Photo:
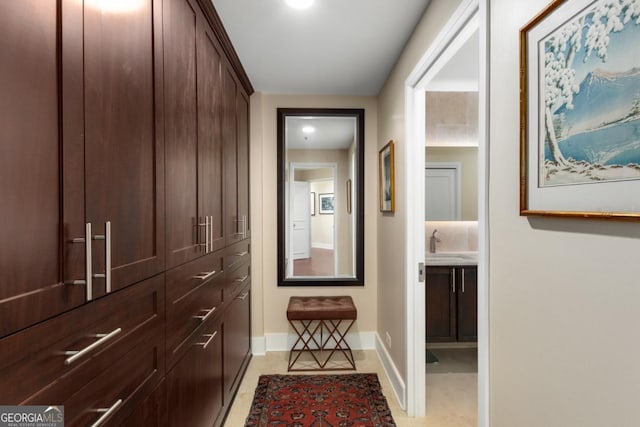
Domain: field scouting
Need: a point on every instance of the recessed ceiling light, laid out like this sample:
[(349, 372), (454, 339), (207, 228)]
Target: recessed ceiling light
[(299, 4), (308, 129)]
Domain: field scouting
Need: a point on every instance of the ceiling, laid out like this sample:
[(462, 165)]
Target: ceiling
[(330, 133), (460, 72), (335, 47)]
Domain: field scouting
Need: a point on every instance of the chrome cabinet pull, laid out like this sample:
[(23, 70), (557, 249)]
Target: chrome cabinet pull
[(243, 296), (205, 224), (242, 220), (241, 279), (106, 413), (75, 355), (205, 275), (462, 273), (243, 253), (206, 343), (453, 280), (206, 316), (244, 226), (88, 273), (107, 255), (211, 234)]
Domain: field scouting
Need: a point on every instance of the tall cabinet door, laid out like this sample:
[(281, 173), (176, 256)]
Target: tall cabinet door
[(34, 230), (440, 304), (243, 170), (124, 143), (233, 221), (181, 132), (210, 148)]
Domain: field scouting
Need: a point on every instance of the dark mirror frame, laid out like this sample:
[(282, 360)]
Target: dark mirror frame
[(358, 280)]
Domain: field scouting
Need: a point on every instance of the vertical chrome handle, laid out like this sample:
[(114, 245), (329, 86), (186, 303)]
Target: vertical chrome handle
[(88, 261), (211, 236), (204, 224), (244, 226), (207, 230), (453, 280), (211, 337), (107, 255), (107, 412), (242, 220), (462, 273)]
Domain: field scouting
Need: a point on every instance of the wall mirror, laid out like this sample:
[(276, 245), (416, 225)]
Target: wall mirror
[(320, 197)]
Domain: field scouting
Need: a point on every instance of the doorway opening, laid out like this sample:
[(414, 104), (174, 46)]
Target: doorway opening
[(312, 235), (468, 26)]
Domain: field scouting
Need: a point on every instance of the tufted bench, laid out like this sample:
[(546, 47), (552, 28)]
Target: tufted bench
[(321, 324)]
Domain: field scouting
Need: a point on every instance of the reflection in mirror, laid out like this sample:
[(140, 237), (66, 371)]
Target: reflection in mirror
[(320, 232), (451, 156)]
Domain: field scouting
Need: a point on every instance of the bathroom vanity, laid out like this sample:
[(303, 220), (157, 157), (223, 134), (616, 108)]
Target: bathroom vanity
[(452, 297)]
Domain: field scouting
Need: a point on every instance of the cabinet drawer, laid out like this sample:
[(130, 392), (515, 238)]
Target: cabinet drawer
[(35, 361), (235, 281), (194, 294), (237, 254), (120, 387), (194, 384)]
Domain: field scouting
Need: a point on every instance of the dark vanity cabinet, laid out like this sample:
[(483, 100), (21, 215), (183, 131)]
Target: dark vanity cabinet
[(451, 303), (124, 152)]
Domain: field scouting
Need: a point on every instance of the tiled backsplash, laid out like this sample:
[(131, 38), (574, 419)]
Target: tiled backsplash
[(455, 236)]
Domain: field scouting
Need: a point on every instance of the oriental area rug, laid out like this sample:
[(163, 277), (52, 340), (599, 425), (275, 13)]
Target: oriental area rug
[(351, 400)]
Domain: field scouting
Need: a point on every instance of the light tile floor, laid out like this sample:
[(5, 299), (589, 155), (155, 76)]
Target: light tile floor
[(451, 397)]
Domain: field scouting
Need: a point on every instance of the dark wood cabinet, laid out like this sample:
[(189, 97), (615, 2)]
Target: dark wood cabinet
[(440, 304), (33, 253), (195, 385), (451, 304), (181, 131), (236, 154), (237, 340), (194, 104), (124, 146), (467, 307), (108, 350), (124, 161), (82, 146), (152, 411)]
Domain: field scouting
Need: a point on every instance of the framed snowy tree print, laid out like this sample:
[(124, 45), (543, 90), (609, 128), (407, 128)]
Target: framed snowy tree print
[(580, 110)]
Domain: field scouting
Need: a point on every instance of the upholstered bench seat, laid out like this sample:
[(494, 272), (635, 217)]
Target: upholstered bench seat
[(321, 324)]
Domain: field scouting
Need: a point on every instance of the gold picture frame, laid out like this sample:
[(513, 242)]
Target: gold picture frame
[(386, 173), (577, 159)]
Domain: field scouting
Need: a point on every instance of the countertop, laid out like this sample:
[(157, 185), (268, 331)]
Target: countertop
[(451, 259)]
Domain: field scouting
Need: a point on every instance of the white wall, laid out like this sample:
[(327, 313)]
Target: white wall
[(269, 302), (391, 227), (564, 294)]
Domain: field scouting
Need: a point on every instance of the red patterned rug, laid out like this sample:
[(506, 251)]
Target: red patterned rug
[(352, 400)]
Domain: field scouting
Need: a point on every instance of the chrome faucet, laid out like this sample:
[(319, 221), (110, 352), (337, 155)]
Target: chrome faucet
[(432, 242)]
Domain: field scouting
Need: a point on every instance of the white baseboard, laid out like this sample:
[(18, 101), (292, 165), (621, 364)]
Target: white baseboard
[(284, 342), (258, 346), (393, 375), (322, 245)]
